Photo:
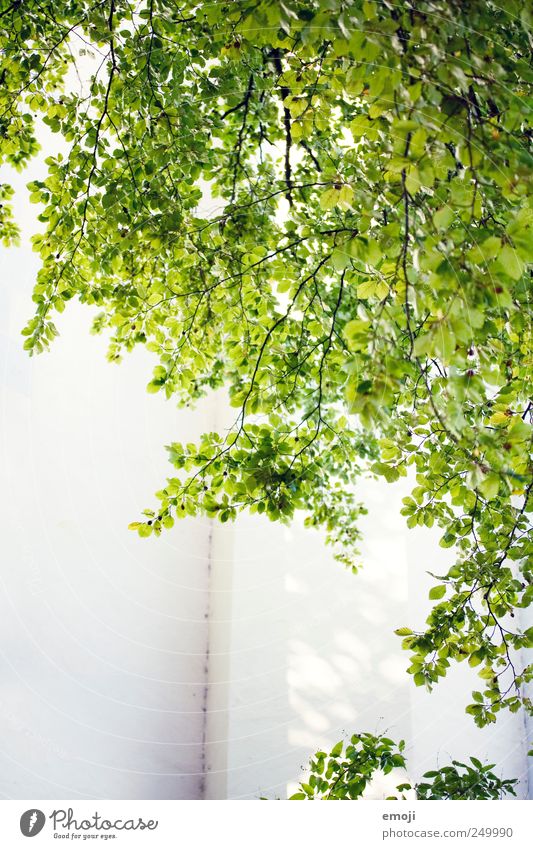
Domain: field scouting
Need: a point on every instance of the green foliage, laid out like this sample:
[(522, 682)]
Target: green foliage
[(461, 781), (362, 288), (346, 771)]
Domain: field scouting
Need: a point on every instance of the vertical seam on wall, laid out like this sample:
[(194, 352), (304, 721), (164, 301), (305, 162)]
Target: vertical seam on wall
[(205, 689), (526, 726), (529, 788), (525, 619)]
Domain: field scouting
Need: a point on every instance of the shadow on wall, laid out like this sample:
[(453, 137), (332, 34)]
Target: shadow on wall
[(313, 655)]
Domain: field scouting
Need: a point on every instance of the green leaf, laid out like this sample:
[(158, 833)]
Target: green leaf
[(511, 263), (490, 486), (366, 289), (442, 218), (329, 198), (340, 259), (337, 749)]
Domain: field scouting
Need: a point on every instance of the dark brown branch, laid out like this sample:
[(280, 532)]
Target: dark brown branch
[(284, 93), (240, 139)]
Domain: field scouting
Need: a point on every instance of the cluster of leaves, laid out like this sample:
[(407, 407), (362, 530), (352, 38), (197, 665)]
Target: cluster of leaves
[(346, 771), (361, 287), (460, 781)]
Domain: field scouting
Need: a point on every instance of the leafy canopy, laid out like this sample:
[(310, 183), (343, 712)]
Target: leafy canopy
[(360, 286)]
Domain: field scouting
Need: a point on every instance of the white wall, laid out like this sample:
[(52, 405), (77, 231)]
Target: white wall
[(108, 642), (102, 635), (313, 656)]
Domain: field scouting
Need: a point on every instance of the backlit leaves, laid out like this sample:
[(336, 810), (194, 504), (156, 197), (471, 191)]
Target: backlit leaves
[(326, 209)]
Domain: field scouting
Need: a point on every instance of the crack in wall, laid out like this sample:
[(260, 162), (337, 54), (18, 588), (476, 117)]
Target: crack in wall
[(202, 788)]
